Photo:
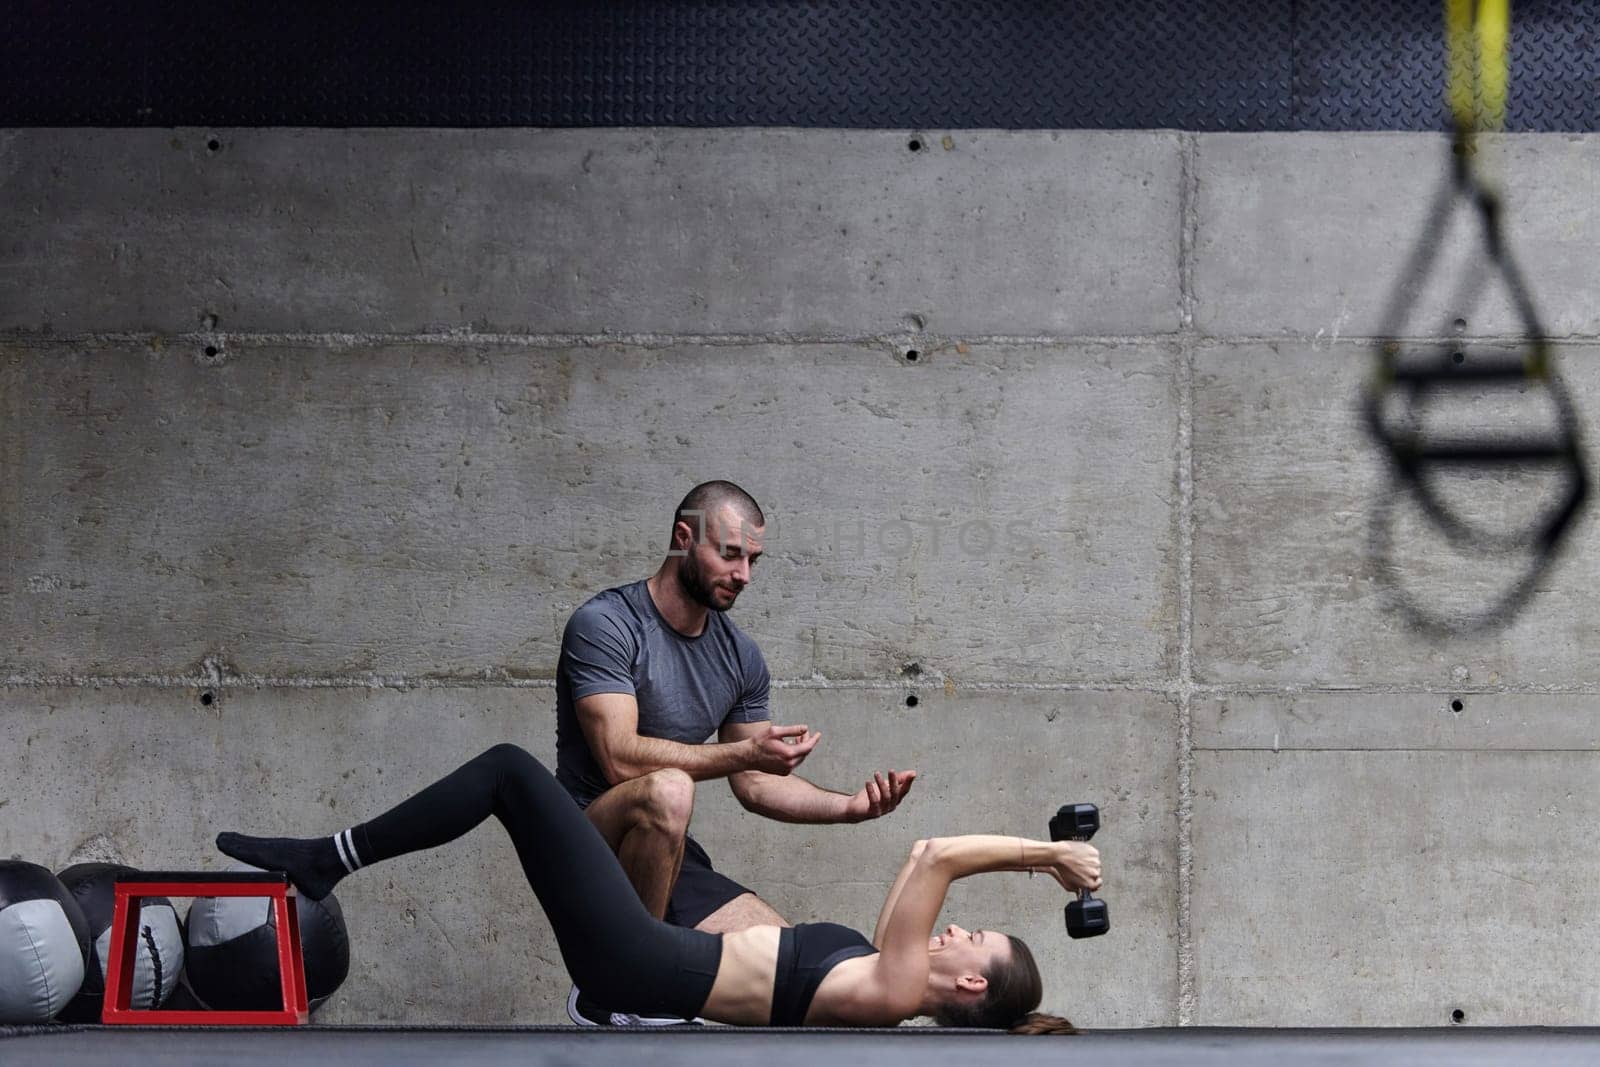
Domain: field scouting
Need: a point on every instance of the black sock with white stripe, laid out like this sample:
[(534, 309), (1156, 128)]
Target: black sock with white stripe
[(314, 864), (344, 843)]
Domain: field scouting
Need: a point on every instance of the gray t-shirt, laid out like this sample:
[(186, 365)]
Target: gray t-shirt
[(686, 687)]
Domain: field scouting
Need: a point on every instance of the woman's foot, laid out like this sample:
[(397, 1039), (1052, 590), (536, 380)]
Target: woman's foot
[(312, 863)]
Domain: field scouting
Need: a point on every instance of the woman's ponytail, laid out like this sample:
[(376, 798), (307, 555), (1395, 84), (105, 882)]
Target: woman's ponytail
[(1038, 1022)]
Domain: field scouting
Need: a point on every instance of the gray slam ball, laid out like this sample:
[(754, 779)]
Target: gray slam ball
[(231, 955), (44, 944), (158, 955)]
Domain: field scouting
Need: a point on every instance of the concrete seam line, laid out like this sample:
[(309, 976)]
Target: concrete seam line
[(233, 343), (1189, 212), (1172, 690), (1496, 749), (1201, 689), (468, 682), (1188, 229)]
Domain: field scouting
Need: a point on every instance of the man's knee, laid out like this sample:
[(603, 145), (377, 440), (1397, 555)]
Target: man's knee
[(666, 801), (657, 803)]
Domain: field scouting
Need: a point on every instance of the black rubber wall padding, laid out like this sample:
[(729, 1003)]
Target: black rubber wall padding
[(936, 64)]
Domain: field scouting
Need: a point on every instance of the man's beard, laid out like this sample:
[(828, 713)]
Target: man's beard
[(693, 581)]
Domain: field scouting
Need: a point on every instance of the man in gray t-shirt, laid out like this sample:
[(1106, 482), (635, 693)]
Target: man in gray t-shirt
[(686, 688), (648, 672)]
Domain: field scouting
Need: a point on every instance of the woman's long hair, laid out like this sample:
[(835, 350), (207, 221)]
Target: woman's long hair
[(1015, 989)]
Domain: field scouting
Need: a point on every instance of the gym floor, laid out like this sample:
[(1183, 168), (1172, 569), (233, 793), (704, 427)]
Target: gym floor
[(716, 1046)]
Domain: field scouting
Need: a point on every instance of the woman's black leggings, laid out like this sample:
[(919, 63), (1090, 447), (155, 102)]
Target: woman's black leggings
[(616, 952)]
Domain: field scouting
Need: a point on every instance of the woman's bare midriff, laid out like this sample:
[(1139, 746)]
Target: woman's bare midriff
[(742, 993)]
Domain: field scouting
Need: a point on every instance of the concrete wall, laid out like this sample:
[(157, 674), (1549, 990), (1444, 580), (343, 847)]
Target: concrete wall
[(334, 429)]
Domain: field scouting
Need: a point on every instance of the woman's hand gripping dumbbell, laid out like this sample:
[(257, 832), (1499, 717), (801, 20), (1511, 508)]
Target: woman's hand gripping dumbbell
[(1079, 868)]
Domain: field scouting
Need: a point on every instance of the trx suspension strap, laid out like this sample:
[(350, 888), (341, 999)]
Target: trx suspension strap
[(1411, 375)]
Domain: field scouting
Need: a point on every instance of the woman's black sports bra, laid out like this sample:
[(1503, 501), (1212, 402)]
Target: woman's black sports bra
[(806, 953)]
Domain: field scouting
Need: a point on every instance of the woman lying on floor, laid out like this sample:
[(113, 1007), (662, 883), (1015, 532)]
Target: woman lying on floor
[(814, 974)]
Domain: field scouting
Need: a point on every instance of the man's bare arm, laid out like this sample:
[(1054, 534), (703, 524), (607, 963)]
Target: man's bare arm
[(791, 798), (610, 723)]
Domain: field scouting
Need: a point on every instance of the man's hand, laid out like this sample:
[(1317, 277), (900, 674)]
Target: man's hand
[(781, 748), (879, 796)]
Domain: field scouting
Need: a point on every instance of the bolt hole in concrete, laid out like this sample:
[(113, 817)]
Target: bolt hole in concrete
[(208, 698), (1460, 325), (1458, 1016), (912, 355), (1458, 357), (214, 145), (1457, 706), (911, 701), (211, 351), (915, 144)]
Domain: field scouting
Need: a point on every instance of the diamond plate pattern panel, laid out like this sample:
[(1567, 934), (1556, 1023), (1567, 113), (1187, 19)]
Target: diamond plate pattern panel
[(1379, 65), (1182, 64)]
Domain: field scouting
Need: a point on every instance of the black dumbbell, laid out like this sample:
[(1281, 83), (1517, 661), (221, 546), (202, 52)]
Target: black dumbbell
[(1086, 916)]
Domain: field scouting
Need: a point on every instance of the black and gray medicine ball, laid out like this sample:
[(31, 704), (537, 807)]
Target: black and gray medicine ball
[(158, 955), (44, 944), (231, 952)]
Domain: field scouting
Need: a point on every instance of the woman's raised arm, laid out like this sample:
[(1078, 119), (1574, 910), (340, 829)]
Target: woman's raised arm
[(894, 892), (918, 893)]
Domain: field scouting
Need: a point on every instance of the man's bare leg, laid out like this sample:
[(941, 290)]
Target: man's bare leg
[(740, 913), (645, 821)]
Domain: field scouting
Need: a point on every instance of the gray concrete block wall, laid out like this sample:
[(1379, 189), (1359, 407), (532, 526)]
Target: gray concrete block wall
[(338, 427), (591, 231), (1286, 478), (1336, 215), (497, 485), (1394, 856)]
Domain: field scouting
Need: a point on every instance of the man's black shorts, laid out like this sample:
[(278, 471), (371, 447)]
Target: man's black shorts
[(699, 890)]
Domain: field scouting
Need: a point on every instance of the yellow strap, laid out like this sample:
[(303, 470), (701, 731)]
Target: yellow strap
[(1494, 30), (1476, 33)]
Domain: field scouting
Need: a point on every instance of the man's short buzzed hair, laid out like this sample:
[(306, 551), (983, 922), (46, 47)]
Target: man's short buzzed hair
[(707, 498)]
